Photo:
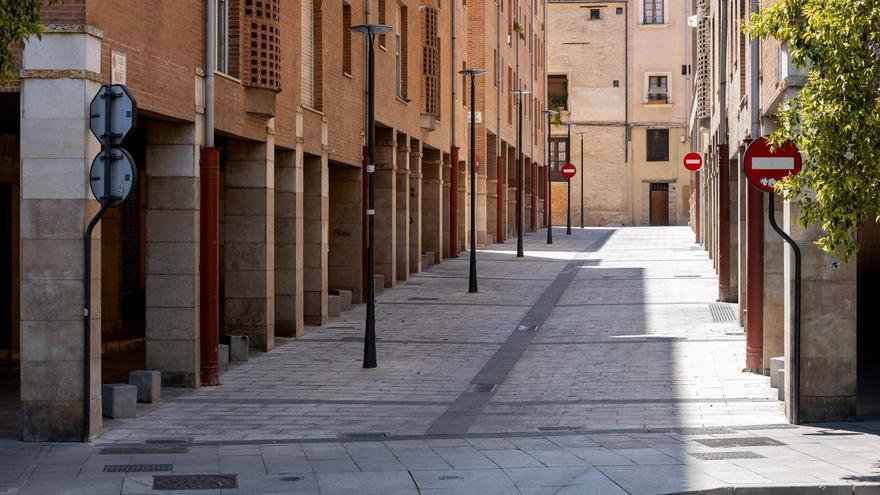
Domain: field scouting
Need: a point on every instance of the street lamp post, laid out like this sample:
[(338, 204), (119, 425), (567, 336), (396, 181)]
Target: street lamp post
[(519, 172), (371, 30), (568, 125), (472, 281), (550, 113), (582, 173)]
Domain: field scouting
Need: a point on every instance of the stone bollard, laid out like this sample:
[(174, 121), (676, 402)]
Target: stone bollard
[(334, 305), (148, 383), (344, 298), (238, 347), (380, 284), (776, 364), (223, 355), (780, 380), (119, 400)]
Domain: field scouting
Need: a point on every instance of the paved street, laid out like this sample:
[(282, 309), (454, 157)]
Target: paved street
[(600, 364)]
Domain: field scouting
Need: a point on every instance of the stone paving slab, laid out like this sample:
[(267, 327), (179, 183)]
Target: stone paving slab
[(591, 366)]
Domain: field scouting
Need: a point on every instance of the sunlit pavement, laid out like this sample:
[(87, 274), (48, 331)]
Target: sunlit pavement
[(600, 364)]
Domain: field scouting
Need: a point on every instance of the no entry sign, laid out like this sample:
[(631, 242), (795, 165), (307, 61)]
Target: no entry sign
[(569, 170), (764, 168), (693, 161)]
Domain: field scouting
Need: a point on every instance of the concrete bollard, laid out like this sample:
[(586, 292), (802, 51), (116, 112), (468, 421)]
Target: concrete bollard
[(344, 298), (223, 354), (148, 383), (380, 284), (119, 400), (238, 347), (334, 305), (780, 380), (776, 364)]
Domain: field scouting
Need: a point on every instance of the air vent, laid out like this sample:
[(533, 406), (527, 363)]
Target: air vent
[(369, 435), (196, 482), (142, 450), (721, 456), (740, 442), (136, 468), (723, 312)]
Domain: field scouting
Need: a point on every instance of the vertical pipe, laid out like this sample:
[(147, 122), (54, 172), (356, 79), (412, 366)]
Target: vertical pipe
[(472, 283), (755, 296), (583, 172), (209, 265), (723, 224), (519, 179), (568, 181), (210, 66), (697, 208), (549, 184)]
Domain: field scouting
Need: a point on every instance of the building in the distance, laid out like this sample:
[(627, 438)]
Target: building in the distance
[(288, 206), (618, 71)]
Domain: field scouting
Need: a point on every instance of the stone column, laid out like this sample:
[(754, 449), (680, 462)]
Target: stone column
[(491, 188), (447, 191), (59, 79), (316, 215), (773, 287), (733, 226), (385, 181), (415, 207), (172, 268), (482, 200), (432, 203), (403, 214), (249, 259), (742, 278), (464, 202), (288, 244), (828, 327), (345, 260)]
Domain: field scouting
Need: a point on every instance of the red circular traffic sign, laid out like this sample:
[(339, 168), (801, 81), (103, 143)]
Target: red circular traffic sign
[(569, 170), (693, 161), (764, 168)]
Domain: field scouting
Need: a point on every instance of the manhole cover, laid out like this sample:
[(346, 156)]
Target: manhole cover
[(136, 468), (723, 312), (740, 442), (720, 456), (704, 430), (171, 441), (369, 435), (195, 482), (142, 450), (482, 387)]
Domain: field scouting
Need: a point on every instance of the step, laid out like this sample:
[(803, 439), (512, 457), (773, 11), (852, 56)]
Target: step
[(334, 305), (776, 364), (344, 298)]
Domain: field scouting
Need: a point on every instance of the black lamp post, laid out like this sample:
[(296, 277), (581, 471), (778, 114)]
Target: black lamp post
[(569, 125), (582, 173), (472, 281), (550, 113), (371, 30), (519, 172)]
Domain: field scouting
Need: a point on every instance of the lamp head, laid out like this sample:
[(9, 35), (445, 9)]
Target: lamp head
[(371, 29), (473, 72), (550, 111)]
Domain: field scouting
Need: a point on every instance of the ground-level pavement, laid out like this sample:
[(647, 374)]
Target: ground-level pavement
[(599, 364)]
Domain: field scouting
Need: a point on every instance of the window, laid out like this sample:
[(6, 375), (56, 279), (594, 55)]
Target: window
[(616, 83), (653, 12), (381, 8), (557, 92), (595, 14), (558, 157), (495, 67), (222, 56), (465, 85), (346, 38), (509, 95), (658, 90), (619, 11), (400, 51), (658, 145), (431, 62)]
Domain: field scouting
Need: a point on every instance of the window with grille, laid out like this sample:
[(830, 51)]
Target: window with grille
[(262, 21), (657, 145), (658, 89), (381, 8), (222, 58), (595, 14), (654, 12), (431, 62), (558, 157), (346, 38)]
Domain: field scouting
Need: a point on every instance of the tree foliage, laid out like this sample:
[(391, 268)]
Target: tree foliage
[(835, 119), (19, 20)]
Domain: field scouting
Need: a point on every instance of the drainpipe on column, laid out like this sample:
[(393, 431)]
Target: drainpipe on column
[(755, 220), (500, 225), (209, 251), (723, 171), (453, 173)]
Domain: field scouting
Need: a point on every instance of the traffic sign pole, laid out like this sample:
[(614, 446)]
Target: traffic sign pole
[(765, 165), (568, 210)]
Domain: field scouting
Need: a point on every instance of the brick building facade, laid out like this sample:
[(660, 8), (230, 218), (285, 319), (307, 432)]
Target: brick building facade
[(289, 118)]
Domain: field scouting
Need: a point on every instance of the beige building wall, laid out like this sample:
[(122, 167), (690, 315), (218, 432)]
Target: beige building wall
[(607, 62)]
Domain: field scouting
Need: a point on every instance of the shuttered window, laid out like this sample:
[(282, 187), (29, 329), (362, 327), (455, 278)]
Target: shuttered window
[(307, 17), (658, 145)]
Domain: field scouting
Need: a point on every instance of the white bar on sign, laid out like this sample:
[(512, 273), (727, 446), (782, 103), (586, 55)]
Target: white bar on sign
[(780, 163), (692, 161)]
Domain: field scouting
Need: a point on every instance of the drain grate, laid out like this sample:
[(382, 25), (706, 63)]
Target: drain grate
[(195, 482), (136, 468), (723, 312), (170, 441), (292, 478), (142, 450), (721, 456), (559, 428), (740, 442), (482, 387), (688, 276), (369, 435), (423, 298)]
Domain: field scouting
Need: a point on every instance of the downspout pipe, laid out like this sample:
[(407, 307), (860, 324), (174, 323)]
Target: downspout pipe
[(453, 173), (210, 66), (755, 220), (500, 224), (722, 153)]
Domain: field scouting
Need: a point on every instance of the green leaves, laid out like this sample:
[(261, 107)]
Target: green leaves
[(835, 120), (19, 20)]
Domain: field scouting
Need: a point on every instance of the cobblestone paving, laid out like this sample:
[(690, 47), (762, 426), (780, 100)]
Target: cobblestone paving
[(591, 366)]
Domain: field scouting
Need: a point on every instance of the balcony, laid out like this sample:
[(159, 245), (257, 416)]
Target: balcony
[(657, 98)]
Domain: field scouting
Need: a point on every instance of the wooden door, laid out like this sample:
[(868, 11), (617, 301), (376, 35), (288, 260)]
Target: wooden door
[(659, 204)]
